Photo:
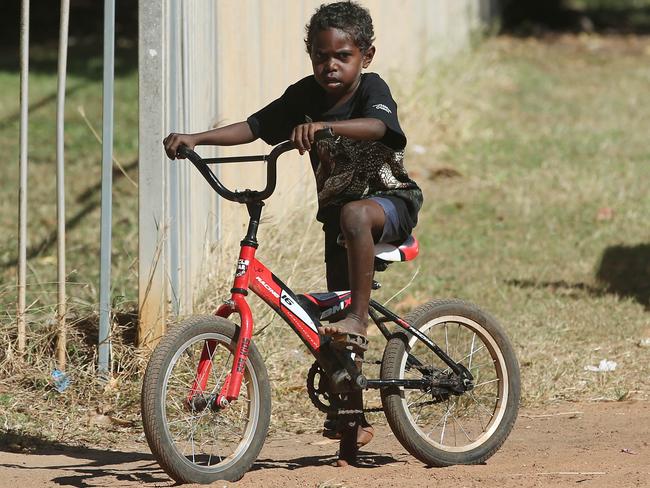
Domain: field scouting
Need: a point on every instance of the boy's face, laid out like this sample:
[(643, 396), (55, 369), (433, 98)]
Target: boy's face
[(337, 62)]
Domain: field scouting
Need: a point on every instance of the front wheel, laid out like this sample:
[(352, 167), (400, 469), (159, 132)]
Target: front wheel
[(436, 426), (193, 442)]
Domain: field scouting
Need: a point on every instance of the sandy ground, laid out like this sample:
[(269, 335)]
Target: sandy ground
[(587, 445)]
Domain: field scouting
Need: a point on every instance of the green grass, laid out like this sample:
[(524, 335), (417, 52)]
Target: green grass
[(545, 136), (82, 179), (545, 226)]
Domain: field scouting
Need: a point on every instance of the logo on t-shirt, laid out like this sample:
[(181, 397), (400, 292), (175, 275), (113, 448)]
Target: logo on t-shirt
[(381, 106)]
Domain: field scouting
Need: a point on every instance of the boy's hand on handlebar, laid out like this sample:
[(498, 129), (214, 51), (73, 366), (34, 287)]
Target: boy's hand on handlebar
[(173, 141), (303, 135)]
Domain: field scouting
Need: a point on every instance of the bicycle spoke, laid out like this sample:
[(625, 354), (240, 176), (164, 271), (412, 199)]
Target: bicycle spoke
[(486, 383), (208, 441), (446, 339), (480, 406), (442, 419), (484, 364), (444, 424), (457, 343), (212, 369), (177, 406), (227, 429), (417, 399), (461, 420), (460, 426), (471, 351)]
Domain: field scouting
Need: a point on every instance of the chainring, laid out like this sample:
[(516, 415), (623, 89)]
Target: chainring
[(318, 390)]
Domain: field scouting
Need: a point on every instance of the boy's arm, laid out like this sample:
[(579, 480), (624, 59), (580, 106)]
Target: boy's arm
[(366, 129), (230, 135)]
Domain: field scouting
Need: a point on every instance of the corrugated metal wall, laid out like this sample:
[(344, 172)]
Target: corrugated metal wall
[(205, 63)]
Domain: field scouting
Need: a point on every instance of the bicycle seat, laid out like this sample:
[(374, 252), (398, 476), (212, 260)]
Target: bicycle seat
[(393, 252), (404, 251)]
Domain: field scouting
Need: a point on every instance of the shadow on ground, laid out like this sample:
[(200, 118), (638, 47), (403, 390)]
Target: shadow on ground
[(623, 270), (95, 464), (365, 460)]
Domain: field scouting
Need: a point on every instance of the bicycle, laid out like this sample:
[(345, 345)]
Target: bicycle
[(447, 368)]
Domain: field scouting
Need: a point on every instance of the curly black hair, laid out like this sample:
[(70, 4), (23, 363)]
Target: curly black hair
[(348, 16)]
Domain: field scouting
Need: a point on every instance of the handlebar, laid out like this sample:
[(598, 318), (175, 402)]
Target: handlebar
[(246, 196)]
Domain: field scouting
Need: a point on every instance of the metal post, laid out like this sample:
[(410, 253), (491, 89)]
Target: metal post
[(174, 169), (107, 184), (22, 191), (185, 180), (152, 171), (60, 182)]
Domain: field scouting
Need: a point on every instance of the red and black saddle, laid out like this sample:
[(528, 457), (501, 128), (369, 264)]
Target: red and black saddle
[(405, 251)]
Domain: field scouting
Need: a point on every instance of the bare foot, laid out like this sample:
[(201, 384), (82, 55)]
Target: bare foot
[(352, 324), (365, 433), (348, 334)]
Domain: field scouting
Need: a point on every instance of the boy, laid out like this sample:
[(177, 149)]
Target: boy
[(364, 192)]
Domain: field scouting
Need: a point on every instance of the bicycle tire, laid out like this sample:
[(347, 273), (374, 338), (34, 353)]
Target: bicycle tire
[(164, 396), (413, 429)]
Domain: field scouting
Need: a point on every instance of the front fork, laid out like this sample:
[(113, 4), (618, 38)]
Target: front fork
[(232, 385), (236, 304)]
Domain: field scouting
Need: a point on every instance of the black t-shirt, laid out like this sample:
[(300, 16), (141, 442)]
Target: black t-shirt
[(306, 100), (345, 169)]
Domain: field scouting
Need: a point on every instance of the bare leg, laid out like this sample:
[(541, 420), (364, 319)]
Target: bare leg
[(337, 280), (362, 223), (355, 432)]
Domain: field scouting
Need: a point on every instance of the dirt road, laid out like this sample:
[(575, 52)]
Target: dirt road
[(590, 445)]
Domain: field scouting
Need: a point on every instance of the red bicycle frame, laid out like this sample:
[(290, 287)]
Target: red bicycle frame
[(252, 275)]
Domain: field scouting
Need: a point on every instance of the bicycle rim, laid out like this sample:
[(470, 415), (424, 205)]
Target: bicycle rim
[(207, 440), (465, 422)]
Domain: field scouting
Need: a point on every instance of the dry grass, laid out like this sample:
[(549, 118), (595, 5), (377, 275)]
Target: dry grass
[(90, 410)]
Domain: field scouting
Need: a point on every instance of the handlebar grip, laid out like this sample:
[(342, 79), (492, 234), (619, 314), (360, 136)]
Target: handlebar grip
[(186, 152)]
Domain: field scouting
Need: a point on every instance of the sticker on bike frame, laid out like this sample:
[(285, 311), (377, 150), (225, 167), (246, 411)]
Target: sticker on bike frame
[(267, 287), (297, 310), (242, 267), (334, 310), (241, 362)]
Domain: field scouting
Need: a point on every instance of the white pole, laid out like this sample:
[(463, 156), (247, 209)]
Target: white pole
[(185, 180), (107, 181), (22, 191), (174, 168), (60, 182), (153, 166)]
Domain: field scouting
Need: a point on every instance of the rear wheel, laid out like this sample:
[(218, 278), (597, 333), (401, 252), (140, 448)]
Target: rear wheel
[(434, 425), (191, 441)]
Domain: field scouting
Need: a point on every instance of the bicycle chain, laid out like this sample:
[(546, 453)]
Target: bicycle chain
[(365, 410)]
